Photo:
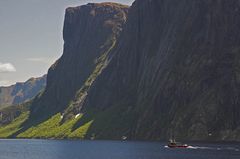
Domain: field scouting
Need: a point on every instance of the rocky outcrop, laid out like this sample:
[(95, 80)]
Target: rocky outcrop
[(21, 92)]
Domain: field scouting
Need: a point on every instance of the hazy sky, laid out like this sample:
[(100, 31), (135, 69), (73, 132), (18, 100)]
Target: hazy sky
[(31, 36)]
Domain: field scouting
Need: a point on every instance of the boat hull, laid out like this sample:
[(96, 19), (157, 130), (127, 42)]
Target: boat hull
[(178, 146)]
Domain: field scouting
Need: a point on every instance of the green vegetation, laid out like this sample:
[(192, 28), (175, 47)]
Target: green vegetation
[(112, 123), (51, 128), (14, 126), (81, 132), (54, 128)]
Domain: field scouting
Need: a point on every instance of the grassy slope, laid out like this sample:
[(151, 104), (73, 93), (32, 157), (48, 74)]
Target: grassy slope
[(100, 124), (14, 126), (53, 128)]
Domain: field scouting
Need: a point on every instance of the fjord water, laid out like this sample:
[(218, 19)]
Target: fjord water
[(67, 149)]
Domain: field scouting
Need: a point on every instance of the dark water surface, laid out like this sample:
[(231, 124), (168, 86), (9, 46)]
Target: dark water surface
[(66, 149)]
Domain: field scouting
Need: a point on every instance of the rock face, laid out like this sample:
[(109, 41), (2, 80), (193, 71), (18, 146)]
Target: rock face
[(176, 69), (21, 92), (90, 33)]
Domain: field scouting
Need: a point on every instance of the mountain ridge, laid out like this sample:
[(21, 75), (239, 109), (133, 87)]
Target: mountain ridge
[(21, 91)]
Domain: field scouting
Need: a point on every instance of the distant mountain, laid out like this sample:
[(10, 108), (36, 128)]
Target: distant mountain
[(160, 67), (21, 92)]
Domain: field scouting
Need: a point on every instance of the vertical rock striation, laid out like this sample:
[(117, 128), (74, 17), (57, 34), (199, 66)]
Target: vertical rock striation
[(177, 68)]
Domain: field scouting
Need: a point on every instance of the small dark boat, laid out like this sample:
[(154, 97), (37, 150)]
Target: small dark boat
[(173, 144)]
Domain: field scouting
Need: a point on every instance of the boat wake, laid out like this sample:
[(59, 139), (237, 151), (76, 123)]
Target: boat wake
[(210, 148)]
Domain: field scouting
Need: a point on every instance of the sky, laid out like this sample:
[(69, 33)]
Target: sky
[(31, 36)]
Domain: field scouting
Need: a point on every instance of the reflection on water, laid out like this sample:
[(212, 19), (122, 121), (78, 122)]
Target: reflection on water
[(66, 149)]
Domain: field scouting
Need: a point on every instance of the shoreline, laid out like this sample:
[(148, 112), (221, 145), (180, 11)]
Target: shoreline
[(157, 141)]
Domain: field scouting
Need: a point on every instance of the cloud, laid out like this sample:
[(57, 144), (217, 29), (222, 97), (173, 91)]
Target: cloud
[(7, 67)]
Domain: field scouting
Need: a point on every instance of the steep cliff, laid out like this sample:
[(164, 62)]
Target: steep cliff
[(21, 92), (176, 69), (90, 32)]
